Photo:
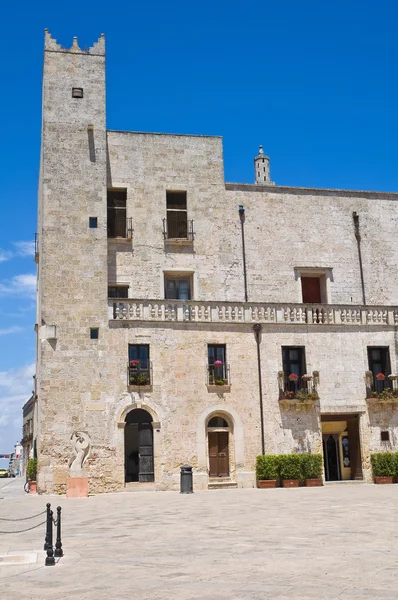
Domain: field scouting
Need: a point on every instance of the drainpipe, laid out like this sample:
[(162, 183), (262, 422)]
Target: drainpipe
[(242, 224), (355, 217), (257, 333)]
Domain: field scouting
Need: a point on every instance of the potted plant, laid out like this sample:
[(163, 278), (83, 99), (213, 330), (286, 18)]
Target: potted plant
[(290, 469), (380, 376), (31, 471), (384, 466), (267, 470), (293, 377), (312, 469)]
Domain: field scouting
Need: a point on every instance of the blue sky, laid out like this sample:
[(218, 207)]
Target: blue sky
[(313, 82)]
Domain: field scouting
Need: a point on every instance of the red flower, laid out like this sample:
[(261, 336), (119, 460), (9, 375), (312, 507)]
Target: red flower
[(293, 377), (134, 363)]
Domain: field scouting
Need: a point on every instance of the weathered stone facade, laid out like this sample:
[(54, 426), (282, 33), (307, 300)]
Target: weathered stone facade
[(290, 233)]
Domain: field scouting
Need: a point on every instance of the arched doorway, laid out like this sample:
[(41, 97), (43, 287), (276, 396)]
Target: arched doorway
[(218, 439), (138, 446)]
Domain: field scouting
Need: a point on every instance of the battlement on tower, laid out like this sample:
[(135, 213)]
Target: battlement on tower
[(51, 45)]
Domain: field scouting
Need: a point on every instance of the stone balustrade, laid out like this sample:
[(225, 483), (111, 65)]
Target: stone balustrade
[(241, 312)]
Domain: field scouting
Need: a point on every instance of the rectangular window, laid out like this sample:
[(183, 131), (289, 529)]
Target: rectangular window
[(116, 212), (379, 364), (93, 222), (77, 92), (139, 371), (177, 216), (94, 333), (294, 367), (118, 291), (217, 364), (177, 287), (311, 288)]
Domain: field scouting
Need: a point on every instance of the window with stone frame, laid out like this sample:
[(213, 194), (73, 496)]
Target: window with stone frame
[(177, 286), (379, 363), (294, 367), (139, 365)]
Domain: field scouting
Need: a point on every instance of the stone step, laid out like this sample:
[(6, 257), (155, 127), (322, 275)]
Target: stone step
[(346, 482), (138, 486), (222, 485)]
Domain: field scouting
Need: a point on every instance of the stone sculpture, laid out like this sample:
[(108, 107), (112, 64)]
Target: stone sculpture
[(81, 444)]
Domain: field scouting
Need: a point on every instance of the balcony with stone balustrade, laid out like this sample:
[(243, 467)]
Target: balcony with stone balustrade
[(191, 311)]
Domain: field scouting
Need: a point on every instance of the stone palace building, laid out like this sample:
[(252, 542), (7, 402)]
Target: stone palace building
[(183, 319)]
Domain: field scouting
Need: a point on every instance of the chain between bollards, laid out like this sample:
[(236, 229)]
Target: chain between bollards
[(58, 544)]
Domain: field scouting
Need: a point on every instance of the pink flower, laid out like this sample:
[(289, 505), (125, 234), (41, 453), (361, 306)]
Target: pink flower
[(293, 377), (134, 363), (218, 363)]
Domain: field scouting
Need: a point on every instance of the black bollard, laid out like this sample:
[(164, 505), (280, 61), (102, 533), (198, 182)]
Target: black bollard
[(186, 484), (58, 544), (48, 526), (50, 561)]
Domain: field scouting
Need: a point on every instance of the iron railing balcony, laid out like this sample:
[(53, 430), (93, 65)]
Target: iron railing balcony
[(138, 374), (381, 387), (120, 227), (298, 387), (178, 230), (218, 374)]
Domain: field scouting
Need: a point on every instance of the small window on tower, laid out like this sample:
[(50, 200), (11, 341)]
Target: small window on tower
[(385, 436), (77, 92), (93, 222)]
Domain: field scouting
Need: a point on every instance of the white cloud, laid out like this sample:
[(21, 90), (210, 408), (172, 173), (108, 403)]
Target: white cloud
[(5, 255), (16, 387), (25, 248), (21, 249), (9, 330), (19, 285)]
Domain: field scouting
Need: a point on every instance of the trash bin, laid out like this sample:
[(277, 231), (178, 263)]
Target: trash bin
[(186, 485)]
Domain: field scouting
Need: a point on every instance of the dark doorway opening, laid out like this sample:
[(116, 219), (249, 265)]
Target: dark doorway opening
[(138, 447), (341, 447)]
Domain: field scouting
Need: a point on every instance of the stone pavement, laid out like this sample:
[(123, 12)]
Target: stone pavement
[(334, 542)]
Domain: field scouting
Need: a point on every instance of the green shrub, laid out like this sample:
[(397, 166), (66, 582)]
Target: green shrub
[(267, 466), (290, 466), (384, 464), (311, 465), (31, 469)]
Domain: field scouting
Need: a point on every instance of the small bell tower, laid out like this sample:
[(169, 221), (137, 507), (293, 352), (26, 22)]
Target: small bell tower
[(262, 174)]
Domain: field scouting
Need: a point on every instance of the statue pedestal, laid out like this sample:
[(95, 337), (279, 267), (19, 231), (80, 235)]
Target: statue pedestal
[(77, 487)]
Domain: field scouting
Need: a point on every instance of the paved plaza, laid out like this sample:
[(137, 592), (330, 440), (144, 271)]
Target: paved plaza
[(339, 541)]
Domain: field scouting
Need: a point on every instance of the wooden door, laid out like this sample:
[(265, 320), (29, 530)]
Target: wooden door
[(219, 454), (145, 452), (311, 287)]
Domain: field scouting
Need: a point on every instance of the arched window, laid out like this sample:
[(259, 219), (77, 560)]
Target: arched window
[(218, 422)]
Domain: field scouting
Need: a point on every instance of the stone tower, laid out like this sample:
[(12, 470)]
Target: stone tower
[(72, 250), (262, 172)]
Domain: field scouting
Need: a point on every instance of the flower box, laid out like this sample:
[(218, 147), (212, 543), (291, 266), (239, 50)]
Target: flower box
[(385, 479), (266, 483), (289, 483)]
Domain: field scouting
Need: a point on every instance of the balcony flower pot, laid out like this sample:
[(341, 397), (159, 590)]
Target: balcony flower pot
[(267, 470), (313, 482), (385, 479), (384, 466), (289, 483), (293, 377), (380, 376), (266, 483)]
